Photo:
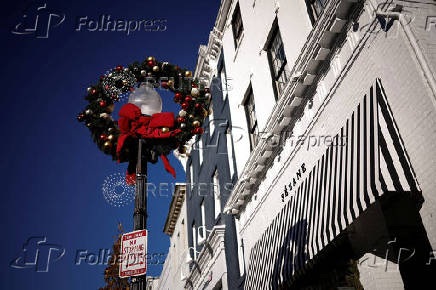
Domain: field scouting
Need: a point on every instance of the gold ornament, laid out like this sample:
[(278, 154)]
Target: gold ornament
[(191, 116), (125, 82), (110, 108), (205, 113), (171, 83), (104, 115), (165, 130), (188, 73), (107, 145), (196, 123), (155, 68), (110, 137), (151, 58), (182, 149)]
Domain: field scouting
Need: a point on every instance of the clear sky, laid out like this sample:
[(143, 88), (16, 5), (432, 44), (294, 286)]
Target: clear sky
[(51, 171)]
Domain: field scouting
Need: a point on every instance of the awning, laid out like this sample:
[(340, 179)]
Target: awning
[(347, 178)]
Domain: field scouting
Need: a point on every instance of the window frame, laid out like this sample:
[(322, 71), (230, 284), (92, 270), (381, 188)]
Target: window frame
[(315, 8), (237, 20), (251, 118), (277, 74)]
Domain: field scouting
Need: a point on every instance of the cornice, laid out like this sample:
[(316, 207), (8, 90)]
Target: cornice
[(175, 208)]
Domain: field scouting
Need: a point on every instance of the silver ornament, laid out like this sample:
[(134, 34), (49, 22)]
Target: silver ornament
[(126, 69), (194, 92), (182, 125), (182, 113), (88, 112), (208, 95), (143, 73), (89, 89)]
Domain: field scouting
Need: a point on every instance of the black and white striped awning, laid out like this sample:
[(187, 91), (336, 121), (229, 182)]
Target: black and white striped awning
[(348, 178)]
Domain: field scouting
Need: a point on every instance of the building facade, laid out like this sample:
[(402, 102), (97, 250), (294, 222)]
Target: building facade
[(325, 160)]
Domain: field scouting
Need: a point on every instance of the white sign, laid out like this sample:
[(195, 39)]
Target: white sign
[(133, 254)]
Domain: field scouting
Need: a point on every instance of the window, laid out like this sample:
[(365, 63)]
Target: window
[(240, 248), (315, 8), (279, 65), (200, 150), (230, 152), (203, 217), (211, 120), (224, 80), (191, 175), (194, 240), (216, 193), (237, 25), (250, 113)]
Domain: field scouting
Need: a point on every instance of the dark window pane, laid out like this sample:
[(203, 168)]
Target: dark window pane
[(278, 61)]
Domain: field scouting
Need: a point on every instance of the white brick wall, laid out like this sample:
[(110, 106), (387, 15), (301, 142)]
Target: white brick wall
[(387, 56)]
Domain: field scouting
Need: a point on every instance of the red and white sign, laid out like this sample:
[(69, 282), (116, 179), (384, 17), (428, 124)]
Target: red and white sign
[(133, 254)]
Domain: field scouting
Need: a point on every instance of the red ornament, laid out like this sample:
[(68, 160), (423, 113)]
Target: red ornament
[(164, 85), (194, 85), (119, 67), (198, 107), (93, 91), (177, 67), (207, 90), (185, 106), (177, 97), (102, 103), (101, 78), (198, 131), (103, 137), (188, 99), (80, 117), (181, 120), (150, 63)]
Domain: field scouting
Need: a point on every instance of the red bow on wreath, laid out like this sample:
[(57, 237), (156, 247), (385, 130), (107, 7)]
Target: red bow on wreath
[(133, 124)]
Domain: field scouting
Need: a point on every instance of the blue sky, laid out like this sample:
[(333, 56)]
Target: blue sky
[(52, 173)]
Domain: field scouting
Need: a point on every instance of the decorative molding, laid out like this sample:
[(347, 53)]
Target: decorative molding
[(175, 208), (212, 249)]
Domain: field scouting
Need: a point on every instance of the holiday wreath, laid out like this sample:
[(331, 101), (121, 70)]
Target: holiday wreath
[(141, 117)]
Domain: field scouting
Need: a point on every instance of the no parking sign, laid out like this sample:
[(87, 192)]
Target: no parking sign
[(133, 254)]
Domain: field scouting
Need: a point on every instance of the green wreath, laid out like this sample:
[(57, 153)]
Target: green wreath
[(193, 97)]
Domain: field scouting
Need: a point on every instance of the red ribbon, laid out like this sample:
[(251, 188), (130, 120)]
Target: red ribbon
[(132, 123)]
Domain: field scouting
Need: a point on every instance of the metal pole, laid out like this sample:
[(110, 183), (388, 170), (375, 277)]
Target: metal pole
[(140, 213)]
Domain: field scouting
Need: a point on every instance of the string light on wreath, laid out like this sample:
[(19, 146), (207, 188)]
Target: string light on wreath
[(118, 81)]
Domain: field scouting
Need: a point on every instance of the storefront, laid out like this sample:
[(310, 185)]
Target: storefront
[(365, 160)]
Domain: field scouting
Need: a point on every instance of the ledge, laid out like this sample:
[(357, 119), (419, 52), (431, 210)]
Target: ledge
[(212, 249)]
